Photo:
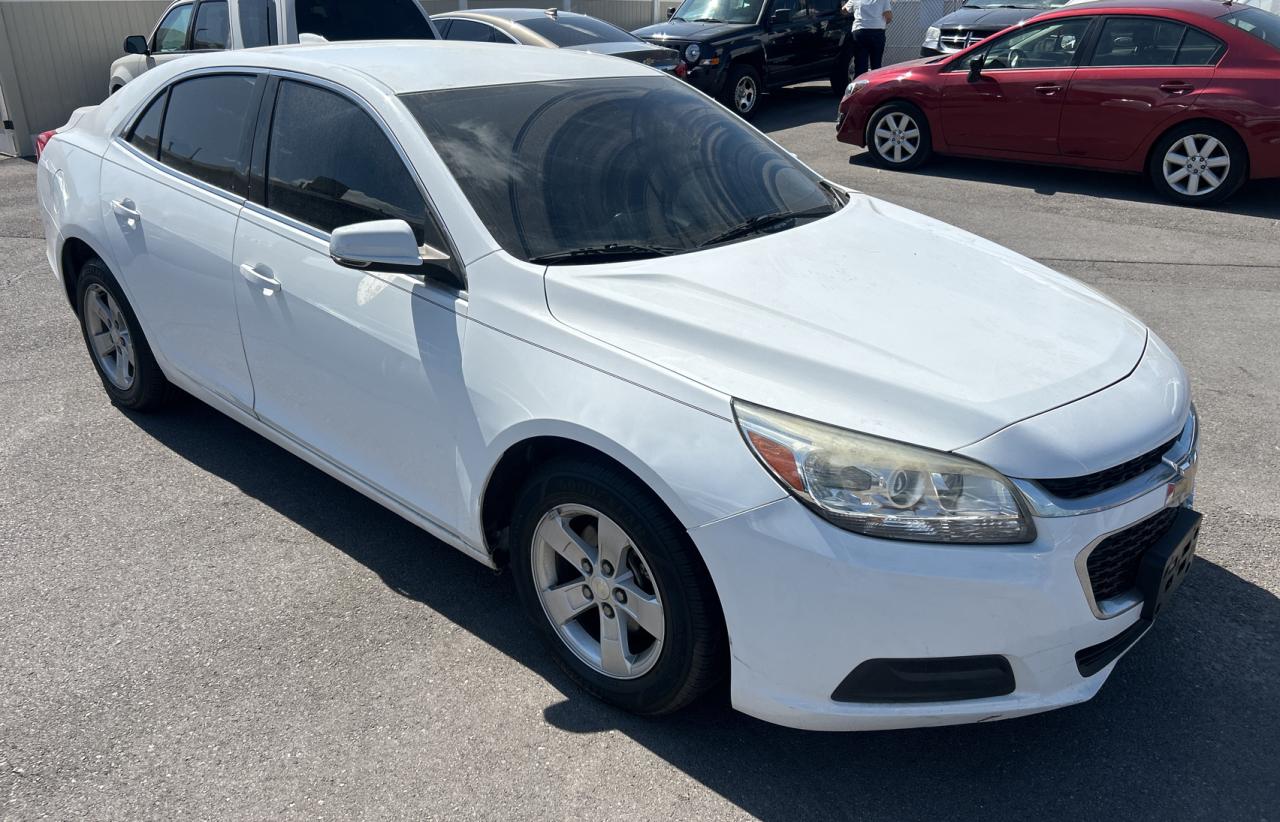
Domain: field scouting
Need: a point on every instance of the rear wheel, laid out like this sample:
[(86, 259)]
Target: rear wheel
[(898, 136), (615, 588), (117, 347), (742, 91), (1198, 164)]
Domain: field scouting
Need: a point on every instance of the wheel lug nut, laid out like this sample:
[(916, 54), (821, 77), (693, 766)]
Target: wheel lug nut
[(607, 568), (586, 592), (586, 567), (620, 595), (608, 611)]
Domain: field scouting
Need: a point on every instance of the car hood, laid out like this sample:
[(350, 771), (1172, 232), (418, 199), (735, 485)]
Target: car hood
[(684, 30), (987, 18), (876, 319)]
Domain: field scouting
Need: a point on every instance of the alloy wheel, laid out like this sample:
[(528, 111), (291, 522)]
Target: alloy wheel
[(596, 588), (897, 137), (745, 94), (1196, 165), (109, 336)]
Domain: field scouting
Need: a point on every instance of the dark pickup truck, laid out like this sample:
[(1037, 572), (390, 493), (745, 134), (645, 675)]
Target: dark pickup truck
[(735, 50)]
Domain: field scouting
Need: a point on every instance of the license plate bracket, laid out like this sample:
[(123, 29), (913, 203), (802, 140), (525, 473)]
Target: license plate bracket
[(1166, 563)]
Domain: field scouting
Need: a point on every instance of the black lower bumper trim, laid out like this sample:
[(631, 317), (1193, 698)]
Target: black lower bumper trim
[(1096, 657), (936, 679)]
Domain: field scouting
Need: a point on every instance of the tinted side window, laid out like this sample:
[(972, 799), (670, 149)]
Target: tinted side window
[(1138, 41), (146, 131), (211, 27), (470, 30), (329, 165), (825, 6), (172, 33), (258, 23), (204, 129), (363, 20), (1198, 49)]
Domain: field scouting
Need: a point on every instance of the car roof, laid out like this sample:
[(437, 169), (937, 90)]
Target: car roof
[(405, 66), (1203, 8), (513, 15)]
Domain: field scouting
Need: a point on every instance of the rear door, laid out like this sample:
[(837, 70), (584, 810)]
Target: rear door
[(1141, 73), (172, 188), (1015, 106)]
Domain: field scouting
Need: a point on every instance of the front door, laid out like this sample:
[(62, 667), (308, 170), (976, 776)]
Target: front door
[(170, 210), (363, 367), (790, 46), (1143, 72), (1015, 105)]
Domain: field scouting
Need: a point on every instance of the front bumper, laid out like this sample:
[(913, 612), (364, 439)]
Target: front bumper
[(806, 603)]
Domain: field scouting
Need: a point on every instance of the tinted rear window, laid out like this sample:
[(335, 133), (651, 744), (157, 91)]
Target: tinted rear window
[(1261, 24), (258, 23), (365, 20), (204, 129), (575, 31), (146, 131)]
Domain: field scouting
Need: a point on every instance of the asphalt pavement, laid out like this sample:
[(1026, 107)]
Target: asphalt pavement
[(195, 624)]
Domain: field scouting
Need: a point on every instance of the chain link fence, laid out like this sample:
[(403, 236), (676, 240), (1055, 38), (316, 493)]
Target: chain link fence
[(910, 17)]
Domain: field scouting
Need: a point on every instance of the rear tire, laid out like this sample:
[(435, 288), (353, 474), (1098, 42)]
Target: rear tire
[(898, 136), (742, 91), (1198, 164), (117, 347), (659, 645)]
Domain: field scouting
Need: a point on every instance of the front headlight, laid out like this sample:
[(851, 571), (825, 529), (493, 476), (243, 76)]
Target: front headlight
[(932, 34), (884, 488), (692, 53), (856, 85)]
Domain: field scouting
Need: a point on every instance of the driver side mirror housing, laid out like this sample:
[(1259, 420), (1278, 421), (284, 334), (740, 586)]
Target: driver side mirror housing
[(387, 245), (671, 12), (781, 16), (136, 44), (975, 69)]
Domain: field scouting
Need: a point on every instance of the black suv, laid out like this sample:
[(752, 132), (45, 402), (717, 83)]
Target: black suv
[(736, 49)]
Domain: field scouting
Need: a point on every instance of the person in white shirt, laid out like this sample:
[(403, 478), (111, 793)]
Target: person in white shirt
[(870, 17)]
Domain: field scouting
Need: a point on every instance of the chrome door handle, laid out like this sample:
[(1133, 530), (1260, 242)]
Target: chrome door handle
[(124, 208), (269, 284), (1176, 87)]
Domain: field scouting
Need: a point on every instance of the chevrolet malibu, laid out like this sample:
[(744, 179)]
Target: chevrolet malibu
[(702, 403)]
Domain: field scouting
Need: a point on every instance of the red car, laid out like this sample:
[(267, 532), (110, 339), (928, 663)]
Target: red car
[(1187, 91)]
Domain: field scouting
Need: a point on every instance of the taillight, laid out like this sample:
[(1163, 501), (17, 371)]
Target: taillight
[(42, 140)]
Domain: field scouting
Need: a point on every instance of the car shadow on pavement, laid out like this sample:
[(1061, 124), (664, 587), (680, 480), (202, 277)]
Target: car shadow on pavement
[(796, 106), (1188, 727), (1257, 198)]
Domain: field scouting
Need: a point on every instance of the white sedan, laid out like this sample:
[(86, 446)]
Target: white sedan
[(716, 414)]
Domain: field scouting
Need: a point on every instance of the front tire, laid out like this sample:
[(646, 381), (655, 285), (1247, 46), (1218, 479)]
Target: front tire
[(1198, 164), (898, 136), (742, 91), (615, 588), (117, 347)]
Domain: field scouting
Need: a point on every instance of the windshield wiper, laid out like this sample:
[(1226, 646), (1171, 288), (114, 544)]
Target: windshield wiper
[(608, 251), (763, 222), (706, 20)]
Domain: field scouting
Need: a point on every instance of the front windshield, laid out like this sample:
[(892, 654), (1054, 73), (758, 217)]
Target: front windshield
[(719, 11), (637, 166), (1014, 4)]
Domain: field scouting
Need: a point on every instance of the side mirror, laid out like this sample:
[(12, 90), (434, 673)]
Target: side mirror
[(382, 243), (975, 69), (781, 16), (671, 12), (136, 44)]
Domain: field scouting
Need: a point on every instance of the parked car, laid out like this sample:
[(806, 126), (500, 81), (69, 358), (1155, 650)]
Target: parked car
[(977, 20), (193, 26), (735, 50), (685, 396), (1185, 91), (552, 29)]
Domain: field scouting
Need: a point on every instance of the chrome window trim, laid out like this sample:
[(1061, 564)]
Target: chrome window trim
[(1179, 460)]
